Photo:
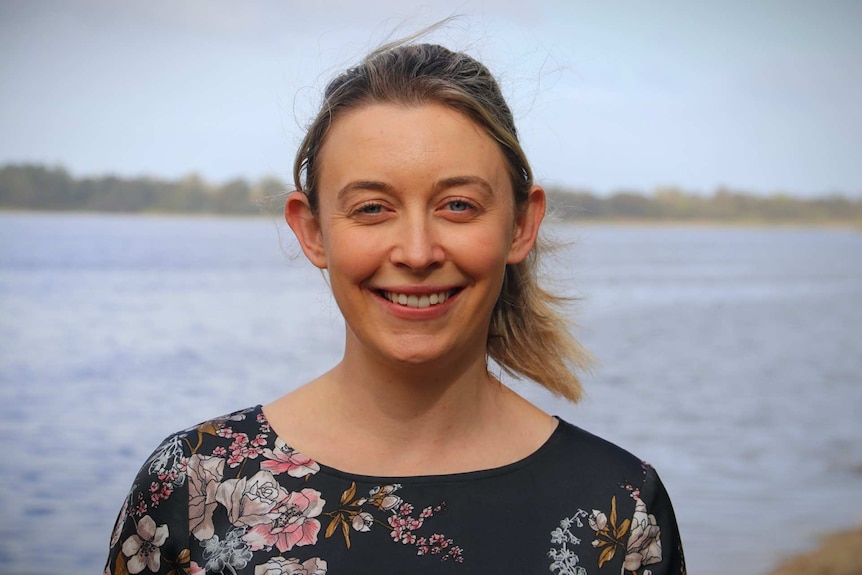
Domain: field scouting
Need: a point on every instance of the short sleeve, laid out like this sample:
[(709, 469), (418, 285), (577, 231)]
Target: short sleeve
[(654, 541), (151, 534)]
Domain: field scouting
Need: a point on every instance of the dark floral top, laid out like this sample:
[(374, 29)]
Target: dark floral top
[(230, 496)]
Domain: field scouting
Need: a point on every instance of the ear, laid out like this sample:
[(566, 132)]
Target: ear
[(528, 219), (306, 228)]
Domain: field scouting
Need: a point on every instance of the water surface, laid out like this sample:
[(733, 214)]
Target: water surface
[(729, 358)]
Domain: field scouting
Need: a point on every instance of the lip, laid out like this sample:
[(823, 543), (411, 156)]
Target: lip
[(415, 313)]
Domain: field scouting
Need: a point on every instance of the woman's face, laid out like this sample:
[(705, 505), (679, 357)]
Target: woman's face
[(416, 224)]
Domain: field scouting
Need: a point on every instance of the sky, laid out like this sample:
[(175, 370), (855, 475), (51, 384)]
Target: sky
[(760, 96)]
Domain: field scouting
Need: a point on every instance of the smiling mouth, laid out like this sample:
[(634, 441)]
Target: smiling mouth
[(417, 301)]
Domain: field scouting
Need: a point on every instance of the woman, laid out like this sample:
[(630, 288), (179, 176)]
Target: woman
[(408, 456)]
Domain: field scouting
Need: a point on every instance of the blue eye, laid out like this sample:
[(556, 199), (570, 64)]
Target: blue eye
[(459, 206), (370, 209)]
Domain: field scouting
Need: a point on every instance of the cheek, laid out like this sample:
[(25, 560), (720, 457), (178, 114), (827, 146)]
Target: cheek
[(351, 256), (487, 244)]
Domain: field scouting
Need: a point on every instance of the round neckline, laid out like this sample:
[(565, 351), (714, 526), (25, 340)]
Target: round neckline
[(359, 478)]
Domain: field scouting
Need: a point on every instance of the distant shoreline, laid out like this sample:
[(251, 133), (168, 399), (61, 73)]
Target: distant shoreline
[(41, 188)]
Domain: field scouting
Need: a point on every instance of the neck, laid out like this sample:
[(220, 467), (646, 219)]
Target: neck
[(412, 403), (373, 417)]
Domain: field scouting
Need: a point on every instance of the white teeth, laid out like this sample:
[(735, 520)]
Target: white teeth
[(413, 300)]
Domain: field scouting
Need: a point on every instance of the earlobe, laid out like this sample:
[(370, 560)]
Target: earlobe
[(527, 223), (306, 228)]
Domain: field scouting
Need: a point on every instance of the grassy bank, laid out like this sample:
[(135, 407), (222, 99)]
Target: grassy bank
[(838, 554)]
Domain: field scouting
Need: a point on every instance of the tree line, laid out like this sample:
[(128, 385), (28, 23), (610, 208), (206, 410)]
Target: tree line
[(37, 187)]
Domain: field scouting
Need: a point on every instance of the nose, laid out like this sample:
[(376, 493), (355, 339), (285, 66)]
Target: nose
[(417, 245)]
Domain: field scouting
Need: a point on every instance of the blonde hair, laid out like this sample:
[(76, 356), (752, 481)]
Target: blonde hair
[(528, 334)]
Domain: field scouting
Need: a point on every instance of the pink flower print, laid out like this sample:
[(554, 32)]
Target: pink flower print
[(264, 424), (251, 501), (236, 458), (422, 546), (292, 566), (204, 474), (293, 523), (284, 459), (195, 569), (644, 546), (403, 526), (242, 448), (141, 507), (142, 548)]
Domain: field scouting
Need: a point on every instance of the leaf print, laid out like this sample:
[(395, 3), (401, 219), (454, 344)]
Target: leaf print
[(623, 528), (606, 555), (345, 529), (349, 493), (120, 566), (208, 428), (183, 565), (333, 525), (401, 524)]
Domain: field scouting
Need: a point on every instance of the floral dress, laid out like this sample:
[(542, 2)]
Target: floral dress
[(231, 497)]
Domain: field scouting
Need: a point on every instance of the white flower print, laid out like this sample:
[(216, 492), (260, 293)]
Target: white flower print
[(564, 560), (142, 548), (292, 566), (598, 520), (169, 461), (251, 501), (204, 474), (121, 521), (363, 522), (644, 546), (229, 554), (383, 497)]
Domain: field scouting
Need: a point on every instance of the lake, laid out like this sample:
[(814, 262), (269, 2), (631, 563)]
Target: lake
[(730, 358)]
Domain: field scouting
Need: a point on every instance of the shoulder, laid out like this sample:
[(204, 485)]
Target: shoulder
[(233, 436), (579, 448)]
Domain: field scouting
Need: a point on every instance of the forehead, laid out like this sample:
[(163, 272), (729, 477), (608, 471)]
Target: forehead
[(396, 143)]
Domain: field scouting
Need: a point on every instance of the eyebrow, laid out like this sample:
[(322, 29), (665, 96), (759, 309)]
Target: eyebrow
[(440, 185), (457, 181), (363, 185)]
